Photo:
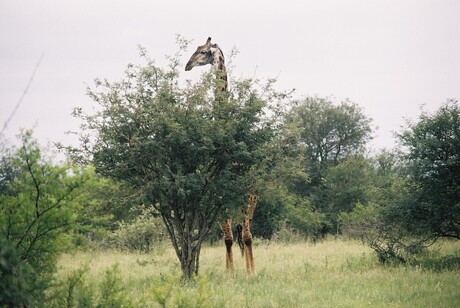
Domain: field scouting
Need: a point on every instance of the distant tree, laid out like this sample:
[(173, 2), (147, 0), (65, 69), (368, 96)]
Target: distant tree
[(106, 204), (282, 169), (381, 223), (330, 133), (38, 204), (415, 198), (432, 149), (345, 185), (185, 153)]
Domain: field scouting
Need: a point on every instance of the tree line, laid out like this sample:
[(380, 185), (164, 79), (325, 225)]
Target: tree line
[(165, 158)]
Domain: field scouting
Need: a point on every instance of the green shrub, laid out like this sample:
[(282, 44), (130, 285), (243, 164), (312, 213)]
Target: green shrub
[(173, 292), (143, 234), (74, 290), (15, 277)]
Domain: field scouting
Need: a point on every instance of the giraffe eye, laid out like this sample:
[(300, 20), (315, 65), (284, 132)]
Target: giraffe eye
[(204, 52)]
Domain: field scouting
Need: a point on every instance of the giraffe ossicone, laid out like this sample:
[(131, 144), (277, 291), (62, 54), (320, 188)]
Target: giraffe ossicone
[(210, 54)]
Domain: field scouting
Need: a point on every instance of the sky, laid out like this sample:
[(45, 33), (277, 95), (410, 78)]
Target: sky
[(391, 57)]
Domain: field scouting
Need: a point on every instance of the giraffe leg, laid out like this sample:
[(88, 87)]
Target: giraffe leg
[(250, 267), (247, 239), (250, 260), (226, 227), (229, 256)]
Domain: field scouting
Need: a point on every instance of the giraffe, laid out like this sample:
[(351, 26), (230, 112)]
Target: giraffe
[(212, 54), (226, 227)]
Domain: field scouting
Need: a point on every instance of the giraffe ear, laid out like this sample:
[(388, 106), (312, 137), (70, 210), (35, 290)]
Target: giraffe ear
[(208, 42)]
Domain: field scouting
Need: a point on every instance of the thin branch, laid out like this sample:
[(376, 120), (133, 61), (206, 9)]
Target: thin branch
[(23, 94), (37, 200)]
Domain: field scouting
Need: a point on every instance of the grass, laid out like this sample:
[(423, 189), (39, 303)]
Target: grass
[(333, 273)]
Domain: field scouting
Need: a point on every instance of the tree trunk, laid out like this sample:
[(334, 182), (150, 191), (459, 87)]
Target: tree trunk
[(189, 260), (187, 249)]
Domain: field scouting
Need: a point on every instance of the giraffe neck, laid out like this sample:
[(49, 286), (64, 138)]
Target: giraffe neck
[(219, 63)]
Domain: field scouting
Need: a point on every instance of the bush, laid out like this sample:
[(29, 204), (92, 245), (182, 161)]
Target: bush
[(286, 234), (39, 203), (75, 291), (377, 227), (143, 234), (15, 277)]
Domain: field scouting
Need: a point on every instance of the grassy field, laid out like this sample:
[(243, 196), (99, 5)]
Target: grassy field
[(333, 273)]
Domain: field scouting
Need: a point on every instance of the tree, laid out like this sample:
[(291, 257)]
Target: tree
[(38, 205), (330, 133), (432, 147), (188, 155), (345, 185), (380, 222)]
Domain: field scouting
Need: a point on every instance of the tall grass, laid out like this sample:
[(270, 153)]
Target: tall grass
[(333, 273)]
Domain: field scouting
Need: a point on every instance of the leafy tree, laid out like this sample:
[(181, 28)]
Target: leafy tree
[(39, 205), (106, 203), (346, 184), (330, 133), (432, 147), (185, 153), (377, 226), (282, 169), (380, 224)]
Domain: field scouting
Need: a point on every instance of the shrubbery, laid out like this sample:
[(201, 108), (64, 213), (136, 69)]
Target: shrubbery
[(16, 277), (143, 234), (75, 291)]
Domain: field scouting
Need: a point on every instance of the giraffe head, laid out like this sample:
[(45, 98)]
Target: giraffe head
[(206, 54)]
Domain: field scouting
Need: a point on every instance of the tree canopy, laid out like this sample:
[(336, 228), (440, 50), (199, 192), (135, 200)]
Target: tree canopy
[(187, 154), (432, 147)]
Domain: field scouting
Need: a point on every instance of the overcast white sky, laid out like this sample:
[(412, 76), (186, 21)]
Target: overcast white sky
[(388, 56)]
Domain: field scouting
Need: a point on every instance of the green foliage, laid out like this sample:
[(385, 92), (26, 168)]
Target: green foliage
[(112, 290), (346, 184), (38, 208), (286, 234), (361, 221), (16, 277), (67, 292), (332, 139), (8, 169), (414, 201), (145, 233), (173, 292), (433, 151), (184, 152), (74, 290), (330, 133), (301, 217), (380, 227), (106, 202)]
